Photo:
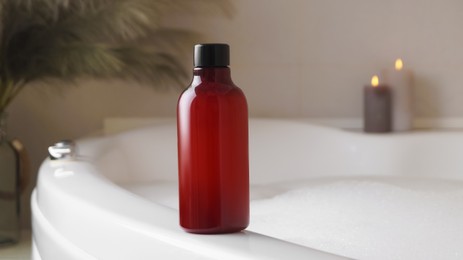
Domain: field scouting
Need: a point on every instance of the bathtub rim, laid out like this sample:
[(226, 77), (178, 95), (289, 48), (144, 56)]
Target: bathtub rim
[(59, 202), (54, 184)]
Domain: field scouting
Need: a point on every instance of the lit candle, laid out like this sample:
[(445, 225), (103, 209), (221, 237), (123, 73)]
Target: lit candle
[(377, 107), (400, 80)]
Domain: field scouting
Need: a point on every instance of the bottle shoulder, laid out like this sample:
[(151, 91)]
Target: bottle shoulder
[(213, 88), (200, 94)]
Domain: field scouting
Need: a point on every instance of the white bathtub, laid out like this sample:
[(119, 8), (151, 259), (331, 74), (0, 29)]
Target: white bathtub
[(317, 193)]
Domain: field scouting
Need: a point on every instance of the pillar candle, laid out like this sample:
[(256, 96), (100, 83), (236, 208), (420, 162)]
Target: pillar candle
[(377, 107), (400, 81)]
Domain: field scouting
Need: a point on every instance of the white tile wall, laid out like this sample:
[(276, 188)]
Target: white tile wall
[(336, 46)]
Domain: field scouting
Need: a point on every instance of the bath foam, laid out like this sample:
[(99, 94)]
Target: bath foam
[(361, 218), (368, 218)]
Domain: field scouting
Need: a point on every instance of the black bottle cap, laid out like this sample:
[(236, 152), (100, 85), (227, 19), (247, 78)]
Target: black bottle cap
[(212, 55)]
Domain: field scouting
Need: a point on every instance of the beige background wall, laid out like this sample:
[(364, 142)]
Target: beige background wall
[(293, 58)]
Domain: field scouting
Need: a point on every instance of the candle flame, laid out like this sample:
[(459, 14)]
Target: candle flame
[(375, 81), (399, 64)]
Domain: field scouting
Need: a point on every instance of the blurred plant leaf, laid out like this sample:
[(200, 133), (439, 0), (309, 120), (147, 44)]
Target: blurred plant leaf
[(67, 39)]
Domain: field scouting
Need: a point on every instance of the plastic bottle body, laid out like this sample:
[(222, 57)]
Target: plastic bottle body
[(213, 154)]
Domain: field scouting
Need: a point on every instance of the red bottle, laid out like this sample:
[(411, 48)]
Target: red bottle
[(212, 128)]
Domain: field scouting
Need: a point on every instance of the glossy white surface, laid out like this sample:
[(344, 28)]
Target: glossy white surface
[(80, 211)]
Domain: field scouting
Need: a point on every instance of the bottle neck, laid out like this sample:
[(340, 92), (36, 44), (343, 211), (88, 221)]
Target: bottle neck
[(212, 74)]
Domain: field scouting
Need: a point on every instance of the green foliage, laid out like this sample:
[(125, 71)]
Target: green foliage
[(67, 39)]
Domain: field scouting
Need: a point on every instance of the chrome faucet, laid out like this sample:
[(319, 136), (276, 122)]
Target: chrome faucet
[(64, 149)]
